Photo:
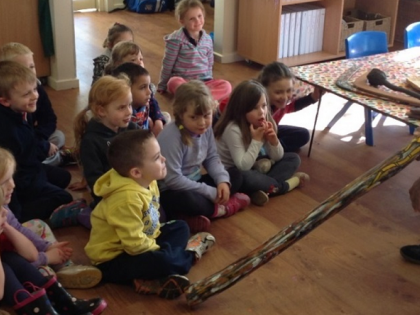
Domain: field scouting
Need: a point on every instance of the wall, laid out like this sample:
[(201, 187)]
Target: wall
[(225, 23), (63, 64)]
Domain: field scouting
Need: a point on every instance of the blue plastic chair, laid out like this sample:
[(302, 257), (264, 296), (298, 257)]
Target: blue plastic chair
[(412, 39), (363, 44), (412, 35)]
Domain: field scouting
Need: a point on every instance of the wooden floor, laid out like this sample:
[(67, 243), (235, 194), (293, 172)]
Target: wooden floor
[(348, 265)]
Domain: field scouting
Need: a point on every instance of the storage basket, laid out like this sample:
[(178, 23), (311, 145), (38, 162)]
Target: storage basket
[(372, 21), (349, 26)]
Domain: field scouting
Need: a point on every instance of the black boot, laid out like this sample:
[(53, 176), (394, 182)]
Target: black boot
[(36, 303), (66, 304)]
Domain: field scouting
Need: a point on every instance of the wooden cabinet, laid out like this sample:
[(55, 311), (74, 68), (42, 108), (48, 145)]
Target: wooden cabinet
[(259, 28), (19, 23)]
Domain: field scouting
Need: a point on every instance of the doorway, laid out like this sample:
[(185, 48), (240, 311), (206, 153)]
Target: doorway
[(83, 4)]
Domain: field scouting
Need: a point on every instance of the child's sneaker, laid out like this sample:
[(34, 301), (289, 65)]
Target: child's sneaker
[(303, 178), (259, 198), (66, 215), (200, 243), (167, 117), (79, 276), (237, 202), (83, 218), (68, 156), (197, 223), (168, 288)]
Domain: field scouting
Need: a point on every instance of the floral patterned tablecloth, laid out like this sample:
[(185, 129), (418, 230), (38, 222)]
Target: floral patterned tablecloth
[(398, 66)]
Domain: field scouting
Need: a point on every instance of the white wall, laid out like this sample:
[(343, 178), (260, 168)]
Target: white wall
[(63, 64), (225, 22)]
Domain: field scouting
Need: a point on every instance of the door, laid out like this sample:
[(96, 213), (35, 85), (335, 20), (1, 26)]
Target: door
[(110, 5), (83, 4)]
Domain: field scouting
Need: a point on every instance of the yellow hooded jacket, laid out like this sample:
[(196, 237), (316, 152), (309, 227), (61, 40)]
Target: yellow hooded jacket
[(125, 220)]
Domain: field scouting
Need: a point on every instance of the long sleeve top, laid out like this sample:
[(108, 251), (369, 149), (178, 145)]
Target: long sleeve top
[(17, 135), (126, 219), (40, 244), (94, 148), (184, 59), (233, 152), (44, 118), (184, 162), (99, 64)]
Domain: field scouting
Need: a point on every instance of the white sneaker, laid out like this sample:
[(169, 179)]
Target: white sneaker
[(200, 243), (79, 276), (167, 116)]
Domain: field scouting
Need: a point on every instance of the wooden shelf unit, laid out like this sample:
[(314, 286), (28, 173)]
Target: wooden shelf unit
[(259, 28)]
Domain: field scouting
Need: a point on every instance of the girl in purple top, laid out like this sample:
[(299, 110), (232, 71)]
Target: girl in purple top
[(188, 146), (50, 252), (189, 53)]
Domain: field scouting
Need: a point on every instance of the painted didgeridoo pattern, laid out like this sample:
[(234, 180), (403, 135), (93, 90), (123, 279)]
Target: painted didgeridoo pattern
[(201, 290)]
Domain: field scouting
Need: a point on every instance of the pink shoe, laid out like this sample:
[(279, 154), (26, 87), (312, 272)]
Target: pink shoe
[(236, 202)]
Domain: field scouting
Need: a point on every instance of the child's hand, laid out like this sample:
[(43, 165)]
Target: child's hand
[(257, 133), (158, 127), (223, 193), (317, 93), (270, 135), (59, 253), (53, 149), (78, 186), (415, 195), (55, 256)]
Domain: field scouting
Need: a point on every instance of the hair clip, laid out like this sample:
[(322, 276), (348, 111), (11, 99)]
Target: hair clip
[(181, 127)]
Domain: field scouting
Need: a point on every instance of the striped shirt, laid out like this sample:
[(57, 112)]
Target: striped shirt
[(184, 59)]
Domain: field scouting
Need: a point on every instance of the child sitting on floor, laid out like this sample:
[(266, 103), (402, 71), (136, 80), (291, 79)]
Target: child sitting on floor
[(189, 53), (245, 132), (39, 187), (116, 33), (188, 144), (127, 242), (44, 119), (50, 252), (24, 288)]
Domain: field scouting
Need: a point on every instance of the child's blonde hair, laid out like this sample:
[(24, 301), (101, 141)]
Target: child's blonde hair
[(114, 32), (120, 51), (243, 99), (183, 6), (11, 50), (12, 74), (104, 91), (193, 93), (7, 162)]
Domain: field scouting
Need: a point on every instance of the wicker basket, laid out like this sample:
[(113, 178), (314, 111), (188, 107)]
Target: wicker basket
[(372, 21), (349, 26)]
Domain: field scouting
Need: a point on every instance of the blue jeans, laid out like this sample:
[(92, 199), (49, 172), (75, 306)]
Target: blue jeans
[(275, 178), (171, 258)]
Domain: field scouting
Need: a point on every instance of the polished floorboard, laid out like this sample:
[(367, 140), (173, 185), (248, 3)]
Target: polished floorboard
[(348, 265)]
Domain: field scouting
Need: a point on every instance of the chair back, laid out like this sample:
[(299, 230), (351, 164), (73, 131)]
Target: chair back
[(412, 35), (366, 43)]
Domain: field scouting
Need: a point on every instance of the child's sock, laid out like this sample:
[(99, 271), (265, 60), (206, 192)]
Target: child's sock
[(299, 179), (219, 211)]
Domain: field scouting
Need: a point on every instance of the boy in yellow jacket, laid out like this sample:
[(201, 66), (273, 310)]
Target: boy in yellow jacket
[(127, 242)]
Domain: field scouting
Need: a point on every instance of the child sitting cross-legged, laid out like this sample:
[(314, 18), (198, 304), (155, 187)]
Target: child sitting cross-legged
[(127, 242), (24, 288), (50, 252)]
